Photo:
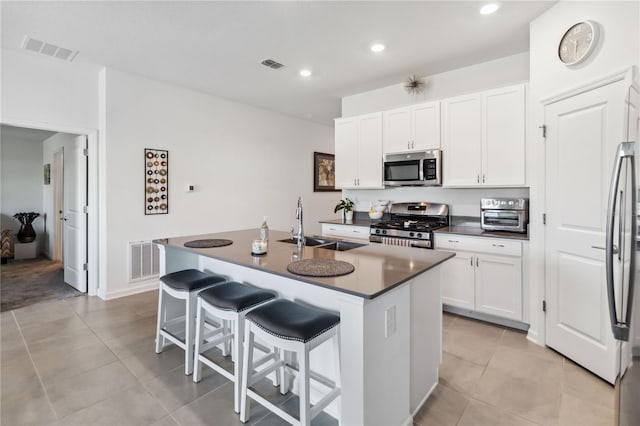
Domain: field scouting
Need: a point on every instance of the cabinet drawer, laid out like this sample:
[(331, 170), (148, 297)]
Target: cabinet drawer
[(345, 231), (478, 244)]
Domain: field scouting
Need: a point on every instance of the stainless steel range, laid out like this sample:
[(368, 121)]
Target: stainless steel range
[(411, 225)]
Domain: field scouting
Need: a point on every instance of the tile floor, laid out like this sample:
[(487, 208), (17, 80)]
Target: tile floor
[(84, 361)]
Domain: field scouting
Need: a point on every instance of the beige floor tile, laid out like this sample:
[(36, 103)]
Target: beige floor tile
[(587, 386), (526, 365), (459, 374), (480, 414), (217, 405), (447, 319), (166, 421), (577, 411), (476, 326), (134, 406), (53, 329), (535, 401), (84, 304), (65, 339), (173, 389), (110, 319), (443, 408), (129, 333), (516, 339), (57, 363), (12, 344), (129, 347), (17, 373), (26, 405), (43, 313), (72, 394), (148, 364), (472, 345)]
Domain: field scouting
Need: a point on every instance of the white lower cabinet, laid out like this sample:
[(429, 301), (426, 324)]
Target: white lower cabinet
[(485, 276), (345, 231)]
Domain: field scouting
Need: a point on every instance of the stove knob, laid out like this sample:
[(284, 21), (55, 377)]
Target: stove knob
[(377, 231), (419, 235), (384, 231), (411, 234)]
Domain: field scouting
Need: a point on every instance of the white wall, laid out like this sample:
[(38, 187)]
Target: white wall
[(49, 146), (244, 162), (22, 183), (48, 91), (619, 47), (486, 75)]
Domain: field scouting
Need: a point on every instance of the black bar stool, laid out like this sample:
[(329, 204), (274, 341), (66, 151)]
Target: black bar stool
[(291, 327), (184, 286), (228, 302)]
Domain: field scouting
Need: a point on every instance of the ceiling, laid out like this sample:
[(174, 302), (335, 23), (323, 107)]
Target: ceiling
[(217, 46)]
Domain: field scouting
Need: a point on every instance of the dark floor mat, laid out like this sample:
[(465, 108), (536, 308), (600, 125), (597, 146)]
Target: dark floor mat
[(27, 282)]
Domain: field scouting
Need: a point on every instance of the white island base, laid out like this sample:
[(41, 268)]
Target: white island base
[(390, 345)]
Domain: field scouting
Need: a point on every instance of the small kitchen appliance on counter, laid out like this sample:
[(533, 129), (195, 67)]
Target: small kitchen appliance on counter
[(504, 214), (411, 224)]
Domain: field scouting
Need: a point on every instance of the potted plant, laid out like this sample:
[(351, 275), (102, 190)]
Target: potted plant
[(346, 206)]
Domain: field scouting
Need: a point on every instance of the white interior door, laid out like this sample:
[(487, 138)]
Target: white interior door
[(75, 219), (583, 133), (58, 203)]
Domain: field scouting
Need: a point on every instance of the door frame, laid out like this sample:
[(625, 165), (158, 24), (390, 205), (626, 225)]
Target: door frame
[(58, 203), (93, 196)]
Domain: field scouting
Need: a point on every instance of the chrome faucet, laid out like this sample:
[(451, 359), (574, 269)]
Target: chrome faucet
[(300, 236)]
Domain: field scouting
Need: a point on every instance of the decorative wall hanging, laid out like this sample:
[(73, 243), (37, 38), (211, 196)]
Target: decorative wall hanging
[(47, 174), (156, 181), (324, 172)]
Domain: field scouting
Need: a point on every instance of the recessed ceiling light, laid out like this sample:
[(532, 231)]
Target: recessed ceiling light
[(377, 47), (489, 8), (305, 73)]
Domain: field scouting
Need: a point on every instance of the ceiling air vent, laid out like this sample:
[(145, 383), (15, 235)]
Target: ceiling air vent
[(48, 49), (272, 64)]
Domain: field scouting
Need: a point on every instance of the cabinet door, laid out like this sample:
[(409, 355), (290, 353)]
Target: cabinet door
[(397, 130), (346, 149), (462, 140), (425, 120), (370, 151), (499, 286), (458, 288), (503, 137), (345, 231)]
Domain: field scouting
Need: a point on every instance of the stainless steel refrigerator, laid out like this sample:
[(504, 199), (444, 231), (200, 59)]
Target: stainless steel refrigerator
[(622, 274)]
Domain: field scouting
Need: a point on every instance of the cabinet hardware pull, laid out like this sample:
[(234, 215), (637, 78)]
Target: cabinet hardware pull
[(332, 229), (356, 231), (453, 241), (478, 178), (471, 259), (498, 245), (483, 178), (477, 262)]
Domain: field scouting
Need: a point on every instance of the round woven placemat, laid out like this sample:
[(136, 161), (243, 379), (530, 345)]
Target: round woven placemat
[(320, 267), (208, 243)]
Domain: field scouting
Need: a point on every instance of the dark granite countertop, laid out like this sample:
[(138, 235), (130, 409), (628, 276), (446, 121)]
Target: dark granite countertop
[(471, 226), (378, 267)]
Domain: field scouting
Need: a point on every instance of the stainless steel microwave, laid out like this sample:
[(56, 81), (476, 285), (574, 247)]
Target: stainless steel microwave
[(420, 168)]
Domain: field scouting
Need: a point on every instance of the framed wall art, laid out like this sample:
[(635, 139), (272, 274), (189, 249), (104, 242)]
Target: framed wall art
[(156, 181), (47, 174), (324, 172)]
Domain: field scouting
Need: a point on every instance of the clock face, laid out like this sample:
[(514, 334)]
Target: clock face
[(577, 43)]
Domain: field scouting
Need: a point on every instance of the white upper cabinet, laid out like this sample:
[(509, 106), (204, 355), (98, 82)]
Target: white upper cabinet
[(358, 150), (412, 128), (483, 138)]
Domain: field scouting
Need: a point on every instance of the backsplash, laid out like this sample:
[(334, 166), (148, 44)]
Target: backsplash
[(461, 201)]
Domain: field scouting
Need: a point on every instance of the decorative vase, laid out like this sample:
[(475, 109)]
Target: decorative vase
[(26, 234)]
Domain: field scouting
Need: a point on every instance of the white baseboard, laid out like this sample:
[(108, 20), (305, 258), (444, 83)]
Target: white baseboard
[(424, 400), (533, 337), (140, 288)]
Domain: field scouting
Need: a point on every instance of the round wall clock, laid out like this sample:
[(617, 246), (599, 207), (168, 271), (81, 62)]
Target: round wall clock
[(578, 42)]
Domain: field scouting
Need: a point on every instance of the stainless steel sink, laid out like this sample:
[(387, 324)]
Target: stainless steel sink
[(325, 243), (341, 246)]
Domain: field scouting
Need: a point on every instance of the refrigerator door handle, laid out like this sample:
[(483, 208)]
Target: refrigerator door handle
[(620, 329)]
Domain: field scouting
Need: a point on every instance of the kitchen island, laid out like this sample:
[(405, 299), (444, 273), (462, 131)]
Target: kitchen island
[(390, 315)]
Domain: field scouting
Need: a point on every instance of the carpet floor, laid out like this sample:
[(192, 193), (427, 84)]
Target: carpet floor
[(26, 282)]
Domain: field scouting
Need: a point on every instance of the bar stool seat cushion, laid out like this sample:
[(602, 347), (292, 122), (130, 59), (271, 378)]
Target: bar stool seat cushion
[(291, 321), (190, 280), (235, 296)]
